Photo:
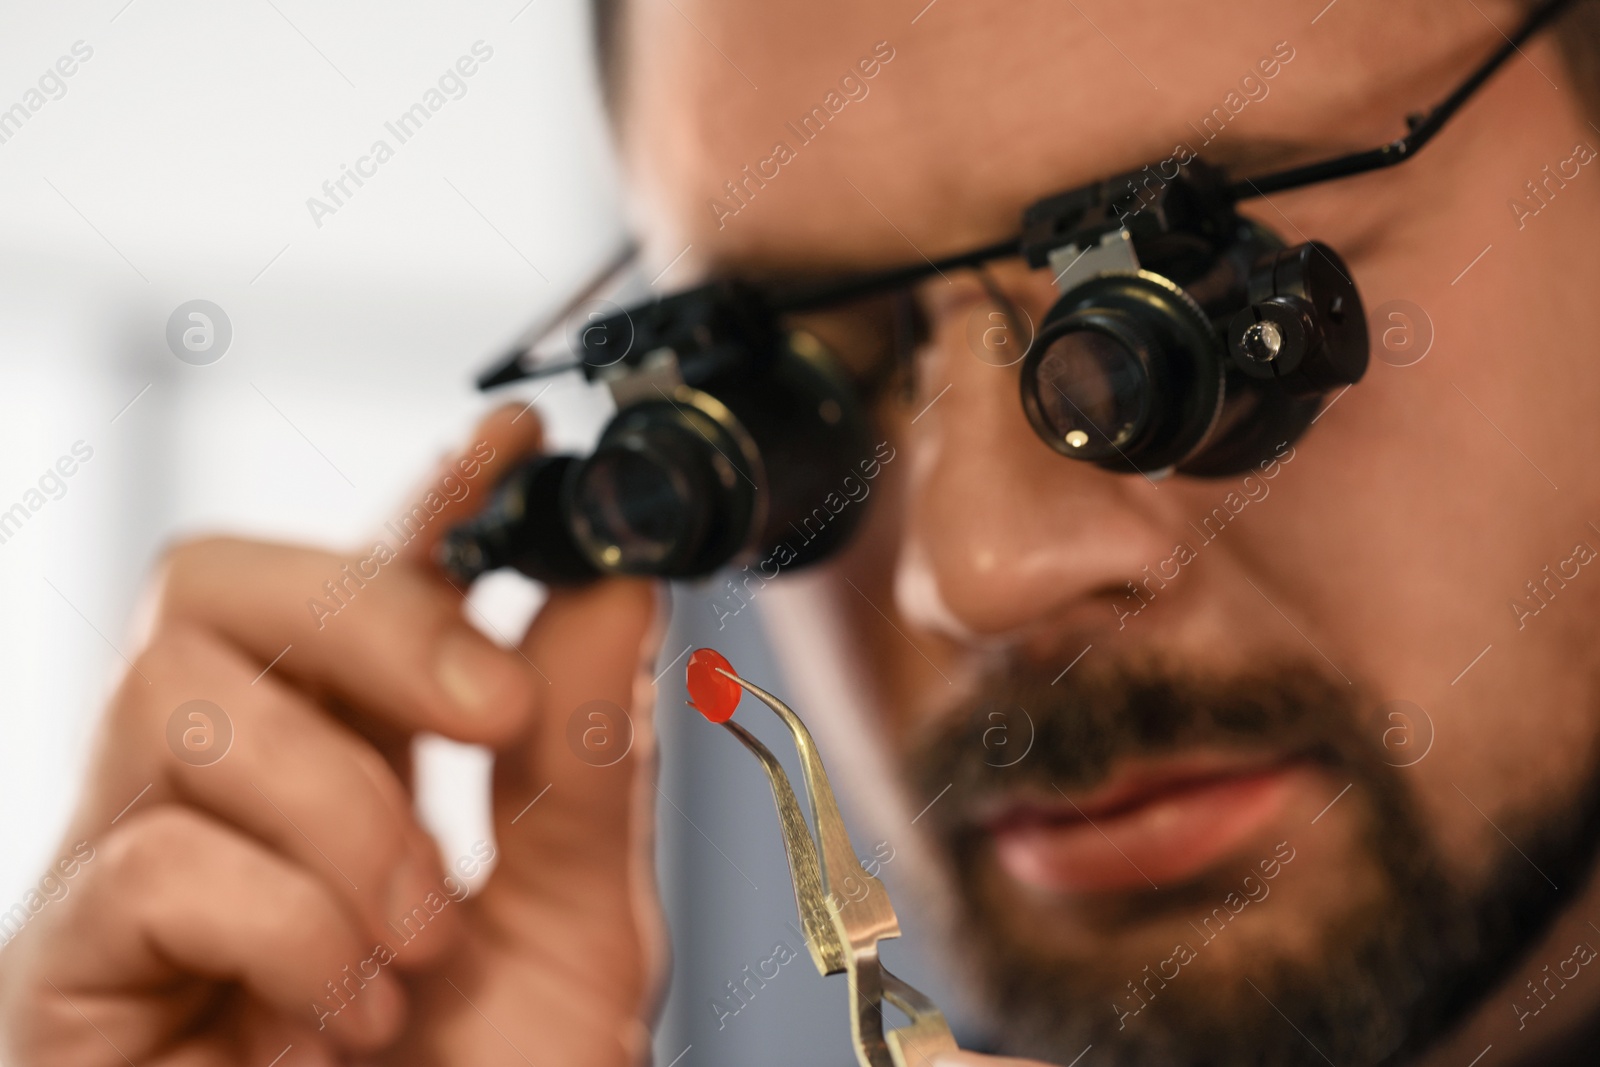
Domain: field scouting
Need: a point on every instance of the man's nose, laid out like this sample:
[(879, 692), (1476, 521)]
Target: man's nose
[(1004, 535)]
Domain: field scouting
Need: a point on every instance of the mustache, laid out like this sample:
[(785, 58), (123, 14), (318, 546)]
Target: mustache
[(1073, 733), (1028, 732), (1404, 973)]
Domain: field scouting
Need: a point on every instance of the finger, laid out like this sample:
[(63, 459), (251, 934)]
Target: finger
[(173, 894), (462, 481), (582, 759), (266, 1036), (356, 631), (973, 1059), (382, 635), (574, 810), (285, 772), (259, 1037)]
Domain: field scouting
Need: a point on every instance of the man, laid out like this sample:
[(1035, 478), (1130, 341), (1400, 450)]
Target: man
[(1327, 793)]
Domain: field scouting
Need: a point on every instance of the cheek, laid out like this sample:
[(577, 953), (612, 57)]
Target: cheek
[(1516, 752)]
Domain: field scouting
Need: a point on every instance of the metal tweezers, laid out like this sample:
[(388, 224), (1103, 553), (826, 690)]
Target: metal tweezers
[(844, 911)]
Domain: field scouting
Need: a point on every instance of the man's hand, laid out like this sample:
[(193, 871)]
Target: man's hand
[(285, 894)]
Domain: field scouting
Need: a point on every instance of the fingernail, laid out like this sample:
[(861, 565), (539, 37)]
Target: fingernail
[(474, 673)]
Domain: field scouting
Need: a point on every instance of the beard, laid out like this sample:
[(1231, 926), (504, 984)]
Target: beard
[(1390, 975)]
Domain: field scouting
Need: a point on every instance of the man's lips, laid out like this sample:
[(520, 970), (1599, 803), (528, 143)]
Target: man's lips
[(1149, 828)]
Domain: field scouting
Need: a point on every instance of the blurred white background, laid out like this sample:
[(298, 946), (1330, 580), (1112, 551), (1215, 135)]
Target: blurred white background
[(175, 166)]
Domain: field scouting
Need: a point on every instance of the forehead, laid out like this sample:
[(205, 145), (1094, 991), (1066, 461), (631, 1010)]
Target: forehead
[(985, 107)]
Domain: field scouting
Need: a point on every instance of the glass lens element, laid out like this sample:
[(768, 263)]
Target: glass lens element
[(1092, 390), (635, 508)]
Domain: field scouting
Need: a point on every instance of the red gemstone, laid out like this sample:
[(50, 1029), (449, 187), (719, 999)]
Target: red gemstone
[(710, 693)]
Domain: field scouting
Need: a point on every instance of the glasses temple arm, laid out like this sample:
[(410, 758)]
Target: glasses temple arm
[(1403, 148), (519, 361), (798, 298)]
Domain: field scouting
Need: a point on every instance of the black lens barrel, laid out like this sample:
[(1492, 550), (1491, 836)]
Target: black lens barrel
[(682, 483), (1179, 358), (669, 492), (520, 527)]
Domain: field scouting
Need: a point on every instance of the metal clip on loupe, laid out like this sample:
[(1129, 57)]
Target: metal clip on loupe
[(842, 924)]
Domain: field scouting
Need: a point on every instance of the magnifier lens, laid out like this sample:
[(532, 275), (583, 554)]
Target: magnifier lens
[(1092, 392), (633, 509)]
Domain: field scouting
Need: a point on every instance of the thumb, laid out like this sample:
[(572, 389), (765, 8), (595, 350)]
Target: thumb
[(573, 797)]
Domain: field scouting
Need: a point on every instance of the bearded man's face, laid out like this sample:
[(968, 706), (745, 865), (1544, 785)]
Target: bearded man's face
[(1284, 767)]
